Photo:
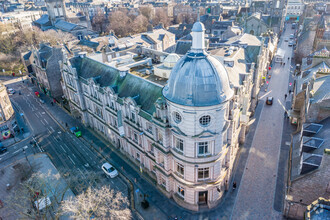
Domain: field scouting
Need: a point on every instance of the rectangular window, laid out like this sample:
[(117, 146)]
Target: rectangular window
[(179, 144), (203, 173), (203, 148), (180, 169), (149, 127), (133, 116), (181, 191), (138, 157), (160, 137), (136, 137), (163, 181)]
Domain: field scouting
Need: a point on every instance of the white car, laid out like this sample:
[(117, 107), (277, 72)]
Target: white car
[(11, 91), (109, 170)]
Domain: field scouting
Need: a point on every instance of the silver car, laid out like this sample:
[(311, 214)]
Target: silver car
[(109, 170)]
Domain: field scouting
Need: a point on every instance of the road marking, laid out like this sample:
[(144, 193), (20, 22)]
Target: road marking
[(15, 152), (264, 95), (74, 156), (46, 121), (62, 148), (52, 128), (43, 113), (36, 115), (72, 160), (4, 154), (42, 122), (81, 172), (25, 147)]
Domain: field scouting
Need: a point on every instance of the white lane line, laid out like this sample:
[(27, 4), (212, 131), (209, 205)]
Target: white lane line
[(52, 128), (81, 172), (37, 115), (74, 156), (25, 147), (264, 95), (46, 121), (49, 131), (72, 160), (15, 152), (63, 148), (42, 122), (4, 154)]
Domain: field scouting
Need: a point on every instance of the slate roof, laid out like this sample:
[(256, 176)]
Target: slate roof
[(245, 38), (64, 25), (45, 52), (236, 74), (182, 47), (321, 89), (145, 93), (44, 19), (27, 55)]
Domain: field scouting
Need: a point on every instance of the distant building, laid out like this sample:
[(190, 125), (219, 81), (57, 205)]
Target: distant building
[(46, 68), (57, 19), (294, 9), (310, 101), (6, 110), (309, 172), (22, 20)]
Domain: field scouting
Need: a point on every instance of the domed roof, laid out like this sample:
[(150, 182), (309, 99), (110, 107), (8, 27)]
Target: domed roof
[(171, 60), (198, 27), (198, 79)]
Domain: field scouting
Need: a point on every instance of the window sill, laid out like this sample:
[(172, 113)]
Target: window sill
[(203, 155)]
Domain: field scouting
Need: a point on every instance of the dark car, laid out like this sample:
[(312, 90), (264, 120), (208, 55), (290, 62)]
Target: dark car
[(3, 150), (269, 100)]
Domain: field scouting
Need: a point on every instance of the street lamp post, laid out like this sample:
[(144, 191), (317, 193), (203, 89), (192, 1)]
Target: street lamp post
[(27, 158)]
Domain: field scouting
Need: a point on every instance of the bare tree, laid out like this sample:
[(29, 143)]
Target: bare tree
[(140, 24), (161, 17), (101, 203), (99, 22), (120, 23), (147, 11)]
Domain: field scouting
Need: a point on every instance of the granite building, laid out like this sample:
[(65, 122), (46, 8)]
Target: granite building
[(183, 135)]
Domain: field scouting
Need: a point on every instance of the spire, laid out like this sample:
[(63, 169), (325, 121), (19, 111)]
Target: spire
[(198, 14)]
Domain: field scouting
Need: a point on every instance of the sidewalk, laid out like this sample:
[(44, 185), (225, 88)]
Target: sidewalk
[(41, 163)]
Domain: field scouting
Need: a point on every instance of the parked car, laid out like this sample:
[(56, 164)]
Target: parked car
[(291, 36), (3, 150), (75, 131), (109, 170), (290, 43), (269, 100), (11, 91)]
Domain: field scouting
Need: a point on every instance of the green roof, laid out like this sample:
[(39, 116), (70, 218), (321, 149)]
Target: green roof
[(145, 93)]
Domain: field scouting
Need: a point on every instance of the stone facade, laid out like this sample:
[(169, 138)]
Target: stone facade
[(47, 69), (6, 109), (188, 150)]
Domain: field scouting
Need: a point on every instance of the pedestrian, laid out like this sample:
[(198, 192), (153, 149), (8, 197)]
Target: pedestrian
[(66, 124), (22, 129), (52, 103), (290, 92), (285, 96), (234, 185)]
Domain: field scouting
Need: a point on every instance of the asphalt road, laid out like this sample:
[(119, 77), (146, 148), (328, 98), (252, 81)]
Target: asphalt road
[(68, 153)]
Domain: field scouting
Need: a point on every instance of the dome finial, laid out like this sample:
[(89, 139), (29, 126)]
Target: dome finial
[(198, 14)]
